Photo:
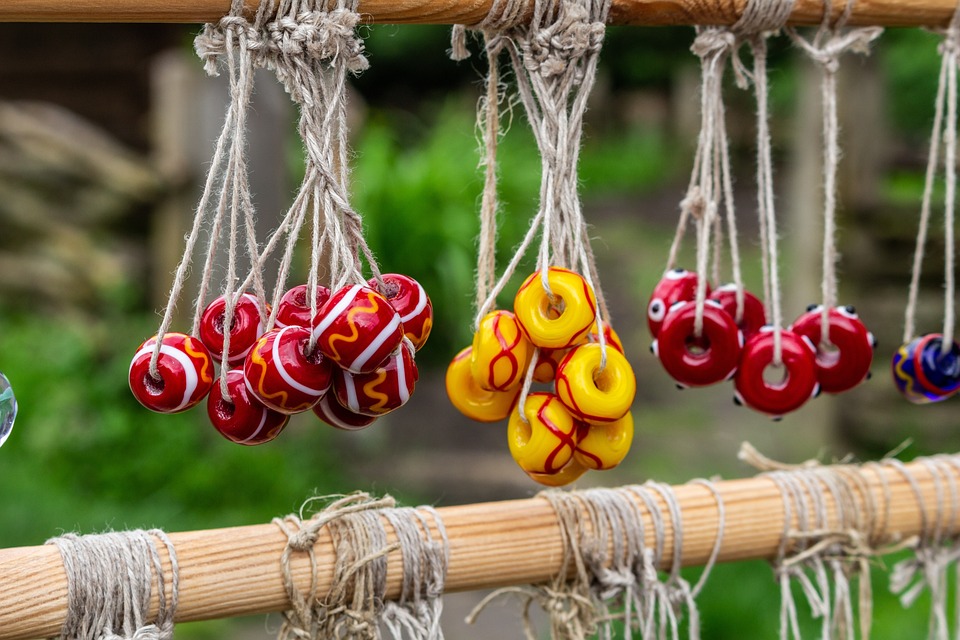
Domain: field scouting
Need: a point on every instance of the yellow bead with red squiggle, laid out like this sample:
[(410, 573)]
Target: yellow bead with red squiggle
[(604, 446), (470, 399), (357, 328), (500, 352), (570, 472), (545, 442), (591, 394), (559, 319)]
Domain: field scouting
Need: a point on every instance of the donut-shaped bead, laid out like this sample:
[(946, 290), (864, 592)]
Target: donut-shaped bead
[(547, 362), (560, 321), (408, 297), (246, 328), (799, 381), (294, 307), (610, 337), (693, 361), (570, 472), (185, 368), (337, 416), (500, 352), (242, 419), (357, 329), (604, 446), (848, 363), (545, 442), (591, 394), (676, 285), (471, 399), (282, 376), (381, 391), (754, 316), (923, 373)]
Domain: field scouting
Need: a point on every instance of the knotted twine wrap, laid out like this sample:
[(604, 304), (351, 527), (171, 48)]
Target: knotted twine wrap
[(826, 543), (947, 127), (828, 44), (355, 606), (608, 573), (111, 579)]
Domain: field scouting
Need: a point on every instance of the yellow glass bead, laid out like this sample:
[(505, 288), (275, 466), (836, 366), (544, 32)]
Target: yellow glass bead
[(500, 352), (472, 401), (610, 336), (560, 321), (546, 441), (593, 395), (604, 446), (547, 362), (570, 472)]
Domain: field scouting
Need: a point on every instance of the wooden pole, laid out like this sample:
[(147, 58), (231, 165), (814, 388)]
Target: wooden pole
[(236, 571), (623, 12)]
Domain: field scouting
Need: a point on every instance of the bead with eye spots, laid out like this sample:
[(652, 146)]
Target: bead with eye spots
[(604, 446), (500, 352), (408, 297), (758, 388), (185, 370), (699, 361), (677, 285), (845, 362), (753, 317), (339, 417), (357, 329), (471, 399), (925, 372), (246, 328), (282, 375), (545, 442), (561, 318), (593, 394), (294, 306), (381, 391), (242, 418)]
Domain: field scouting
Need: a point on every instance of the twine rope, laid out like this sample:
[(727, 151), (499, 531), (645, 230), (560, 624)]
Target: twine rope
[(946, 100), (111, 578)]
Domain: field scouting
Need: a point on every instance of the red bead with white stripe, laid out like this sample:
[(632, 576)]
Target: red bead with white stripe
[(294, 306), (337, 416), (246, 328), (380, 391), (242, 419), (282, 376), (185, 368), (408, 297), (358, 329)]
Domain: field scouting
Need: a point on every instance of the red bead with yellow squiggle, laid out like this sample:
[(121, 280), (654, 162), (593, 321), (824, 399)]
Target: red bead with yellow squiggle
[(357, 329), (380, 391), (282, 376), (294, 306), (339, 417), (500, 352), (185, 369), (546, 441), (411, 301), (242, 418)]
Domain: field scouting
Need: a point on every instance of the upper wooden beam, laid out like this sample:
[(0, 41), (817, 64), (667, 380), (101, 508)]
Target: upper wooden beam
[(929, 13)]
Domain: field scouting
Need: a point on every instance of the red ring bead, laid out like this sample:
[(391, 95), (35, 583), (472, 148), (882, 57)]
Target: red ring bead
[(849, 364), (380, 391), (697, 362), (246, 328), (282, 376), (357, 329), (242, 419), (754, 316), (185, 368), (798, 385), (294, 306), (677, 285), (411, 301)]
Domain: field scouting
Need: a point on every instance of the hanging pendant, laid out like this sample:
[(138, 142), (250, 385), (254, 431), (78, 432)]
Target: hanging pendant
[(8, 409)]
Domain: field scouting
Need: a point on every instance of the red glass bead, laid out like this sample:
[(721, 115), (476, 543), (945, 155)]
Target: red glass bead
[(246, 328), (693, 361), (408, 297), (358, 329), (186, 373), (336, 415), (380, 391), (242, 419), (677, 285), (848, 363), (282, 376), (754, 316), (799, 381), (294, 306)]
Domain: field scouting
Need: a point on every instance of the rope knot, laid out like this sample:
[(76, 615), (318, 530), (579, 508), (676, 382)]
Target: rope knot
[(572, 36), (694, 203), (714, 42), (320, 36)]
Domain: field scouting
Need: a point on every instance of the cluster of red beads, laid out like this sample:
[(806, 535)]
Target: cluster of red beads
[(583, 421), (361, 367), (744, 351)]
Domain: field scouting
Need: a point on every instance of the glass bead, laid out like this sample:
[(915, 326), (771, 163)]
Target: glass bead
[(8, 409)]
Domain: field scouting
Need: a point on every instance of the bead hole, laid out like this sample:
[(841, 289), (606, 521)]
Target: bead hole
[(552, 307), (697, 347), (153, 386), (312, 356), (603, 380), (828, 354), (524, 431), (775, 375), (390, 290), (221, 318)]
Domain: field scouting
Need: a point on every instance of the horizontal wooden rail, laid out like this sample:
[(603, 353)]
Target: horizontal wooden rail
[(236, 571), (623, 12)]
